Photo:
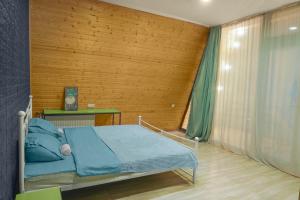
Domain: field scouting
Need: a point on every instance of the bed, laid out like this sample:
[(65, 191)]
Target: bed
[(106, 154)]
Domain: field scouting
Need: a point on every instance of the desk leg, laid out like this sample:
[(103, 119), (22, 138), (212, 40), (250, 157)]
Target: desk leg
[(113, 119), (120, 118)]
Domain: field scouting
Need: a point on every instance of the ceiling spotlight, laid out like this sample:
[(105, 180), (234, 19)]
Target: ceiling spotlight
[(205, 1), (293, 28)]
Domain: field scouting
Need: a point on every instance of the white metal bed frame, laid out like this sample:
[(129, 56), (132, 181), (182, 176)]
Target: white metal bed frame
[(24, 118)]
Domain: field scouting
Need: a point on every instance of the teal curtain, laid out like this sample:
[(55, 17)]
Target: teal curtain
[(203, 95)]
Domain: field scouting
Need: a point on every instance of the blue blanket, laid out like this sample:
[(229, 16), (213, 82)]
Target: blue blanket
[(116, 149), (142, 150), (55, 167), (46, 168), (91, 155)]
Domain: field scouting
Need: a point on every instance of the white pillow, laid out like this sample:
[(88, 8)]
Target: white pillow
[(60, 130), (65, 150)]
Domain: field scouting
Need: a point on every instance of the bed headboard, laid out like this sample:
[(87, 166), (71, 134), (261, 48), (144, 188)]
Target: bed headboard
[(24, 118)]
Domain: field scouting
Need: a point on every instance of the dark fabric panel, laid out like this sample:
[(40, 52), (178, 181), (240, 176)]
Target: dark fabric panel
[(14, 87)]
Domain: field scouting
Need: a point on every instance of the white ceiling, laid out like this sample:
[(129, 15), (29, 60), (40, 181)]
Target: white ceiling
[(205, 12)]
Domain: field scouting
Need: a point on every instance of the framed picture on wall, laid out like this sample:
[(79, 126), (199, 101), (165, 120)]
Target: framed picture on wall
[(71, 98)]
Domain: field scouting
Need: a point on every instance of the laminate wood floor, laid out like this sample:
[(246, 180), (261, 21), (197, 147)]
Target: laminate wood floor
[(222, 175)]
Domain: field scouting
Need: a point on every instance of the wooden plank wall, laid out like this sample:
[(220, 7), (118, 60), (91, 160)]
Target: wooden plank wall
[(118, 57)]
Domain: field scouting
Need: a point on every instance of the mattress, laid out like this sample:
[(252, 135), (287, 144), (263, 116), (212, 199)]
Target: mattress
[(61, 179), (50, 180), (71, 180)]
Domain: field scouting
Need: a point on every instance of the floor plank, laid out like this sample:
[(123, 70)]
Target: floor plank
[(221, 175)]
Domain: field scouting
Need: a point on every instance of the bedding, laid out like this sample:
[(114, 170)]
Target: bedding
[(37, 125), (91, 155), (140, 149), (42, 148), (111, 150), (37, 169), (47, 168)]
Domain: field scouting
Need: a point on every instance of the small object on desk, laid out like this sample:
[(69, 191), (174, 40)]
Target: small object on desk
[(43, 194), (71, 98)]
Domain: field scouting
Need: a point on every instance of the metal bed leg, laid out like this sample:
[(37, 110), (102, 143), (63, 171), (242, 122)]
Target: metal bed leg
[(194, 175)]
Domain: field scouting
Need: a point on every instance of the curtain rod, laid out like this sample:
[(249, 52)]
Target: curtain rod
[(261, 13)]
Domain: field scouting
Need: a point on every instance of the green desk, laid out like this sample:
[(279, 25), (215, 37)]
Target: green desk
[(43, 194), (94, 111)]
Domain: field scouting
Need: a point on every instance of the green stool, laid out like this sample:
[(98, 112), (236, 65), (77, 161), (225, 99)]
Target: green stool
[(43, 194)]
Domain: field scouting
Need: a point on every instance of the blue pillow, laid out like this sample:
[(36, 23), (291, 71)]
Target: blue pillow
[(37, 125), (42, 148)]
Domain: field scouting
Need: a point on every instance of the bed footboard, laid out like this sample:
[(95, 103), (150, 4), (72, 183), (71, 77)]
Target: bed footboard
[(191, 144)]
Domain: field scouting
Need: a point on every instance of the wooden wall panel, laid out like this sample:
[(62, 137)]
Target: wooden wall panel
[(118, 57)]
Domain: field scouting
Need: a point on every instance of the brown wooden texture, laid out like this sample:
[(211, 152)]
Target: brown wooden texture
[(118, 57)]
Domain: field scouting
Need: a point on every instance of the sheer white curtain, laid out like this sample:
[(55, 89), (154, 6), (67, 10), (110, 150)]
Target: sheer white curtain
[(257, 109)]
